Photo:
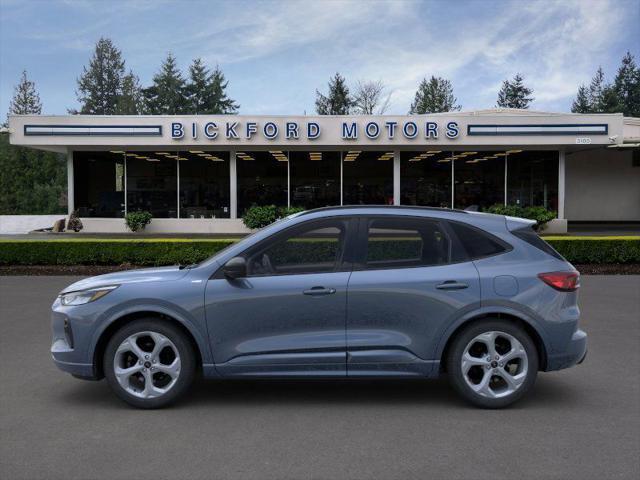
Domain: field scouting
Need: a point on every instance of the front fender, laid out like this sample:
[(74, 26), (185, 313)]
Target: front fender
[(151, 306)]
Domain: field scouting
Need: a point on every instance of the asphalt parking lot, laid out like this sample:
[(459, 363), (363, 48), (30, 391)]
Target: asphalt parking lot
[(580, 423)]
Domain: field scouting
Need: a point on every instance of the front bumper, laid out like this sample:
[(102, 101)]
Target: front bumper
[(66, 352), (575, 353)]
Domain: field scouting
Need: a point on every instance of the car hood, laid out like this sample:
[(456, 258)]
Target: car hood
[(161, 274)]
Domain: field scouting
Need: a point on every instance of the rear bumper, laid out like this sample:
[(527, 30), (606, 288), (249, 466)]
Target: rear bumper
[(574, 354)]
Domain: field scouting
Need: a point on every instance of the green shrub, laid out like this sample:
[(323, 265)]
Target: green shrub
[(597, 249), (137, 220), (108, 252), (540, 214), (261, 216), (149, 252)]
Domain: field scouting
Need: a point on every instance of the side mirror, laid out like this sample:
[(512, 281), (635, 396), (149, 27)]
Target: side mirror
[(235, 268)]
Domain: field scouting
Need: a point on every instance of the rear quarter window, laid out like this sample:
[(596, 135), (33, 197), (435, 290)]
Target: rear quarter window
[(478, 243), (529, 235)]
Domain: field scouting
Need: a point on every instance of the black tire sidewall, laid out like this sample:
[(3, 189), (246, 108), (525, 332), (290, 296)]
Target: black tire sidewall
[(454, 361), (185, 350)]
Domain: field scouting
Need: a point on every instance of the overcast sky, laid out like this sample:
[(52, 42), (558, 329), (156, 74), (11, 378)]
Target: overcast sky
[(276, 53)]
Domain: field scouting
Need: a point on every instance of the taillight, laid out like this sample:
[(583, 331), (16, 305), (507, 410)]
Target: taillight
[(563, 281)]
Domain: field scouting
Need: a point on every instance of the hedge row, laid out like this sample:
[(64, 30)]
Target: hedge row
[(598, 250)]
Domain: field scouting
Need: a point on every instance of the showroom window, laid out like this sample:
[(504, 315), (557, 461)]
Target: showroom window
[(262, 179), (152, 183), (204, 184), (425, 178), (532, 178), (478, 179), (99, 184), (314, 179), (367, 178)]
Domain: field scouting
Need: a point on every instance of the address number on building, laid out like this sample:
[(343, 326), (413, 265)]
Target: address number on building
[(583, 141)]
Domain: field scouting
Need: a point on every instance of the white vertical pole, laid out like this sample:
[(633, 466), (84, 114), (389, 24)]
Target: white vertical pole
[(561, 181), (453, 182), (177, 187), (341, 177), (233, 185), (396, 177), (125, 186), (70, 183), (288, 180), (506, 166)]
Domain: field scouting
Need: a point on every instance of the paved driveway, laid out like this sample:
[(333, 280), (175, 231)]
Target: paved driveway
[(580, 423)]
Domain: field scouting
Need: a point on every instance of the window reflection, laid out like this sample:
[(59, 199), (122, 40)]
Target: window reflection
[(367, 178), (532, 178), (262, 179), (425, 178), (204, 184), (478, 179), (99, 184), (315, 179), (152, 183)]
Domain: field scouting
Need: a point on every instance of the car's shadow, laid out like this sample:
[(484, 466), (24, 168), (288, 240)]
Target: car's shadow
[(308, 393)]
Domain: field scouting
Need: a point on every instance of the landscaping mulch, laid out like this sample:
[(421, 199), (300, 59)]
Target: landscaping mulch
[(91, 270)]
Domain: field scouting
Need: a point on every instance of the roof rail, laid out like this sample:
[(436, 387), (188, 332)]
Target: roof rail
[(402, 207)]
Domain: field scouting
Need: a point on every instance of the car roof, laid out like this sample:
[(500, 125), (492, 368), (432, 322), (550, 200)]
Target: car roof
[(390, 208)]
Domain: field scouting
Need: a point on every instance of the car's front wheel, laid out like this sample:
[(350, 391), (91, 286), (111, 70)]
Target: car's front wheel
[(492, 363), (149, 363)]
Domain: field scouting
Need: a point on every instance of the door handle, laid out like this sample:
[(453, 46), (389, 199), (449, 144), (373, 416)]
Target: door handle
[(451, 285), (318, 291)]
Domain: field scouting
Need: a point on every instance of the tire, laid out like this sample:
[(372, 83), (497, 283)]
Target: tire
[(145, 349), (504, 378)]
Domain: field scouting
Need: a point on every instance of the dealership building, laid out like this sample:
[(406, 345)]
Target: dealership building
[(201, 173)]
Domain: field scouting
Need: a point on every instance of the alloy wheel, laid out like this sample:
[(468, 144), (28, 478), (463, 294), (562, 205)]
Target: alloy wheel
[(494, 364), (147, 364)]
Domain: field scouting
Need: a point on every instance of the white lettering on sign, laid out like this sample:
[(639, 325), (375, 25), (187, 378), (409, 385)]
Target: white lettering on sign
[(583, 141)]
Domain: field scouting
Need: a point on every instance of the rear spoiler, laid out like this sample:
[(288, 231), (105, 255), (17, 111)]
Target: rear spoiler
[(515, 223)]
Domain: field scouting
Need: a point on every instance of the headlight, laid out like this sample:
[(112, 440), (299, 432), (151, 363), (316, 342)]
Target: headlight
[(85, 296)]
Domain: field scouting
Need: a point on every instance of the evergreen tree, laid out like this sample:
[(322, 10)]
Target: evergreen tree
[(100, 85), (338, 101), (433, 96), (167, 95), (627, 86), (219, 102), (25, 99), (596, 91), (206, 91), (130, 101), (581, 104), (514, 94), (31, 181)]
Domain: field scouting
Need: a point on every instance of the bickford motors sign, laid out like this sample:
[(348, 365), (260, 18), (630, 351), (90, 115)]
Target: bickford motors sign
[(294, 130)]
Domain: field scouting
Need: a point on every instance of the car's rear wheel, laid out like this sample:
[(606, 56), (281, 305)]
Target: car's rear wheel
[(149, 363), (492, 363)]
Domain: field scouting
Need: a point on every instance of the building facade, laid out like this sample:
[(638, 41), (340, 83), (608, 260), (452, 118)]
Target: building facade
[(201, 173)]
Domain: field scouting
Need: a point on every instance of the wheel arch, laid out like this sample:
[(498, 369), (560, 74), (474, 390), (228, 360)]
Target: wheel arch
[(126, 318), (526, 325)]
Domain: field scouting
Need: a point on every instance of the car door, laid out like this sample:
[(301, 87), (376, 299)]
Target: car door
[(410, 280), (287, 317)]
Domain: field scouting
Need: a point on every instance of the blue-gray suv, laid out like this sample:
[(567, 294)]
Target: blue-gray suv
[(335, 293)]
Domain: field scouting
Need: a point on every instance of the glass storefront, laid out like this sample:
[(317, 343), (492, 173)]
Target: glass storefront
[(99, 184), (367, 178), (152, 183), (478, 179), (425, 178), (262, 179), (197, 184), (204, 184), (314, 179), (532, 178)]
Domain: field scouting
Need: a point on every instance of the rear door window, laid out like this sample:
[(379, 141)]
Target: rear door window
[(405, 242)]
